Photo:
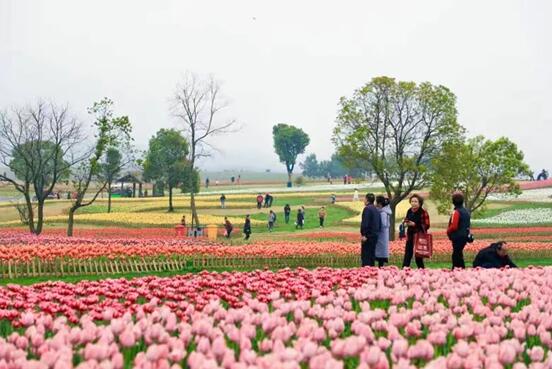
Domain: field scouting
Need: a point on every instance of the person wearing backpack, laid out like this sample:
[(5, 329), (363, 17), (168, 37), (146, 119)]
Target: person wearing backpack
[(458, 230)]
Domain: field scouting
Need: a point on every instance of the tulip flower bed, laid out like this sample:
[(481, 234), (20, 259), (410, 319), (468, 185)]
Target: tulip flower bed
[(518, 217), (168, 220), (320, 319), (23, 255)]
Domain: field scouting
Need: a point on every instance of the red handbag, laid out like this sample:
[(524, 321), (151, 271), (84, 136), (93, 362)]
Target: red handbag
[(423, 245)]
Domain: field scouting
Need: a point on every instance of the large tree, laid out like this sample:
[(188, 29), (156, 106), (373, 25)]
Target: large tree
[(395, 128), (110, 168), (166, 160), (38, 143), (476, 167), (109, 131), (289, 142), (199, 107)]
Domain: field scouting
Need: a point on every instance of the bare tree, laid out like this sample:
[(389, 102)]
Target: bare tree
[(197, 104), (110, 132), (38, 143)]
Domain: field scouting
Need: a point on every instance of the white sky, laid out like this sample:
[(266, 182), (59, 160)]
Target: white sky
[(284, 61)]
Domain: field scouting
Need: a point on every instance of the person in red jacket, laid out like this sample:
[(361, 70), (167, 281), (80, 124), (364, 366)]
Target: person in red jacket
[(458, 230)]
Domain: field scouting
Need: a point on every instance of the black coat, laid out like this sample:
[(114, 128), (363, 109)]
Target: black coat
[(489, 258), (371, 222), (247, 226)]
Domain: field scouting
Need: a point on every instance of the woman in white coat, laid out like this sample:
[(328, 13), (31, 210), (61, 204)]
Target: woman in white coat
[(382, 247)]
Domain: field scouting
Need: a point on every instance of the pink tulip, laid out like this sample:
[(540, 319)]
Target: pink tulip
[(507, 353)]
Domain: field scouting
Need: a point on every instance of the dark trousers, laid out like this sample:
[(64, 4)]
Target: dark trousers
[(247, 234), (286, 218), (409, 253), (368, 251), (228, 233), (458, 254), (382, 261), (321, 222)]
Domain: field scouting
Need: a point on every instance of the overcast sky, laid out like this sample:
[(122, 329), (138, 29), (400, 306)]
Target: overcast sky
[(284, 61)]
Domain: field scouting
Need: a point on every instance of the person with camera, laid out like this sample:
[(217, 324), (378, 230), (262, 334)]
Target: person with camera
[(458, 230)]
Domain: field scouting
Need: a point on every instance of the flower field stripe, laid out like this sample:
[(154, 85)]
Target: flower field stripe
[(320, 319)]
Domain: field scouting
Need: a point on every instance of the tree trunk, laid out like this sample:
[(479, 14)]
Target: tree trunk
[(30, 213), (109, 198), (195, 217), (289, 179), (40, 215), (70, 222), (392, 222), (171, 208)]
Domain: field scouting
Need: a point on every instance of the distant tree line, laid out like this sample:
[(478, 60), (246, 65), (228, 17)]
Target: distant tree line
[(333, 168)]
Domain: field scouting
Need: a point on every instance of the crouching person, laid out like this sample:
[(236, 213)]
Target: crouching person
[(494, 256)]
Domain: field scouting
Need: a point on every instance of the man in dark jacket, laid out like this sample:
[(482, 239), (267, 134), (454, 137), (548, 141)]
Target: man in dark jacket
[(494, 256), (458, 230), (369, 229), (247, 227)]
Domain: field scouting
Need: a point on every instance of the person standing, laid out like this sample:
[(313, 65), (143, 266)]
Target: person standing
[(333, 198), (207, 182), (259, 201), (416, 220), (458, 230), (369, 229), (228, 227), (247, 227), (382, 246), (322, 216), (271, 220), (222, 201), (266, 199), (287, 213), (300, 219), (304, 212), (355, 195)]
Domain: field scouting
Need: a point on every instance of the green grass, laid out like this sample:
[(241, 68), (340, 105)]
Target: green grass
[(335, 215)]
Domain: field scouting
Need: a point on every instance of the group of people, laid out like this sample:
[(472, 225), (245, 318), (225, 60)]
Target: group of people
[(375, 230), (264, 201), (272, 218)]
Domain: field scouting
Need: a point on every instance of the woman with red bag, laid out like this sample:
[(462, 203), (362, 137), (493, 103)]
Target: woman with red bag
[(416, 221)]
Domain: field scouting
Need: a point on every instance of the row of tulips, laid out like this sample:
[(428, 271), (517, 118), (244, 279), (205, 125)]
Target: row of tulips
[(24, 248), (139, 219), (321, 319)]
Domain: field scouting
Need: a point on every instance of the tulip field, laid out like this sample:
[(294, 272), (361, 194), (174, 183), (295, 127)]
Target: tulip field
[(127, 292), (322, 318)]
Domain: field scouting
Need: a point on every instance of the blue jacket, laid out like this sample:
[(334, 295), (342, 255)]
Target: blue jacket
[(371, 222)]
